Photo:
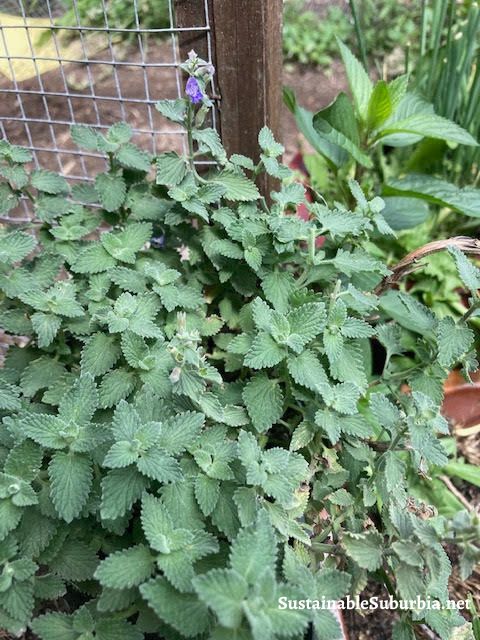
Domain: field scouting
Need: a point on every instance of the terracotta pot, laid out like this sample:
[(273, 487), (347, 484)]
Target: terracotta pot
[(462, 400)]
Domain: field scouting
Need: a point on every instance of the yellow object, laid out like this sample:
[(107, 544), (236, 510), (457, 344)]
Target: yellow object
[(24, 42)]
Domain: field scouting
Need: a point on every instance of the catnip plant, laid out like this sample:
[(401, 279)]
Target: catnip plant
[(211, 412)]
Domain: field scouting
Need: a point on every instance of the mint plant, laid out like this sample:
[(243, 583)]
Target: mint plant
[(200, 422)]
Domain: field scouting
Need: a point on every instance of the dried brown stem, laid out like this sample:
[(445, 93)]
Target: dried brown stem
[(410, 262)]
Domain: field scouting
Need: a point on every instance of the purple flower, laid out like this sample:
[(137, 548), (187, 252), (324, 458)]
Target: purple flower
[(193, 90)]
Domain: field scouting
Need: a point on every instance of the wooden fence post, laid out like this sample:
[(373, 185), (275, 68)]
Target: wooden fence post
[(247, 52)]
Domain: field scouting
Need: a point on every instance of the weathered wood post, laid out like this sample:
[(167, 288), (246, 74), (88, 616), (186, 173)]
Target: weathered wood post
[(246, 49)]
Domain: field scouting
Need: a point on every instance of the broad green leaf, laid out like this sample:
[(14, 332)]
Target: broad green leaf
[(360, 84), (404, 213), (304, 120), (380, 105), (466, 200)]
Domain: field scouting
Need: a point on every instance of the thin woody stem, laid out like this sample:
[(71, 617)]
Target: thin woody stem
[(410, 262)]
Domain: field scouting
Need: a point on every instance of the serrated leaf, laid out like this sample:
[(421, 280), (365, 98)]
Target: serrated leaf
[(264, 352), (84, 137), (120, 489), (223, 590), (132, 157), (126, 568), (15, 246), (54, 626), (70, 481), (99, 354), (263, 398), (237, 186), (171, 169), (454, 340), (123, 245), (182, 611), (49, 182), (206, 492), (364, 548), (111, 190)]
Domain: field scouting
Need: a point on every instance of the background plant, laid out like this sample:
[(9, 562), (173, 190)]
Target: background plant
[(309, 37), (199, 423)]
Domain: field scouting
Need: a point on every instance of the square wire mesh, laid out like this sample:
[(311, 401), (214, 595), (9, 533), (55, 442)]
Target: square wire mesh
[(56, 70)]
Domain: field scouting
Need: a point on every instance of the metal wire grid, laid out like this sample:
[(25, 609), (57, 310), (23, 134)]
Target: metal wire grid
[(106, 82)]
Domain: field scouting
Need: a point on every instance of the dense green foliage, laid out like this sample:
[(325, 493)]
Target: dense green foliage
[(395, 144), (210, 412), (309, 37), (120, 14)]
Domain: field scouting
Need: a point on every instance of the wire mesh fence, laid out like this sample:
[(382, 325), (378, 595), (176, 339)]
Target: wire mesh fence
[(89, 62)]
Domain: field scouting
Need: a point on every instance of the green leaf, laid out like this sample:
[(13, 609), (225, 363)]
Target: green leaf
[(404, 213), (116, 385), (126, 568), (360, 84), (70, 482), (341, 117), (454, 340), (466, 200), (132, 157), (468, 472), (224, 591), (469, 273), (254, 550), (84, 137), (49, 182), (15, 246), (174, 110), (119, 133), (408, 312), (120, 489), (159, 465), (111, 190), (75, 560), (54, 626), (99, 354), (93, 259), (264, 352), (380, 105), (264, 401), (364, 548), (428, 125), (277, 287), (182, 611), (325, 129), (207, 493), (237, 186), (9, 397), (123, 245), (171, 169), (210, 141), (304, 120), (46, 327)]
